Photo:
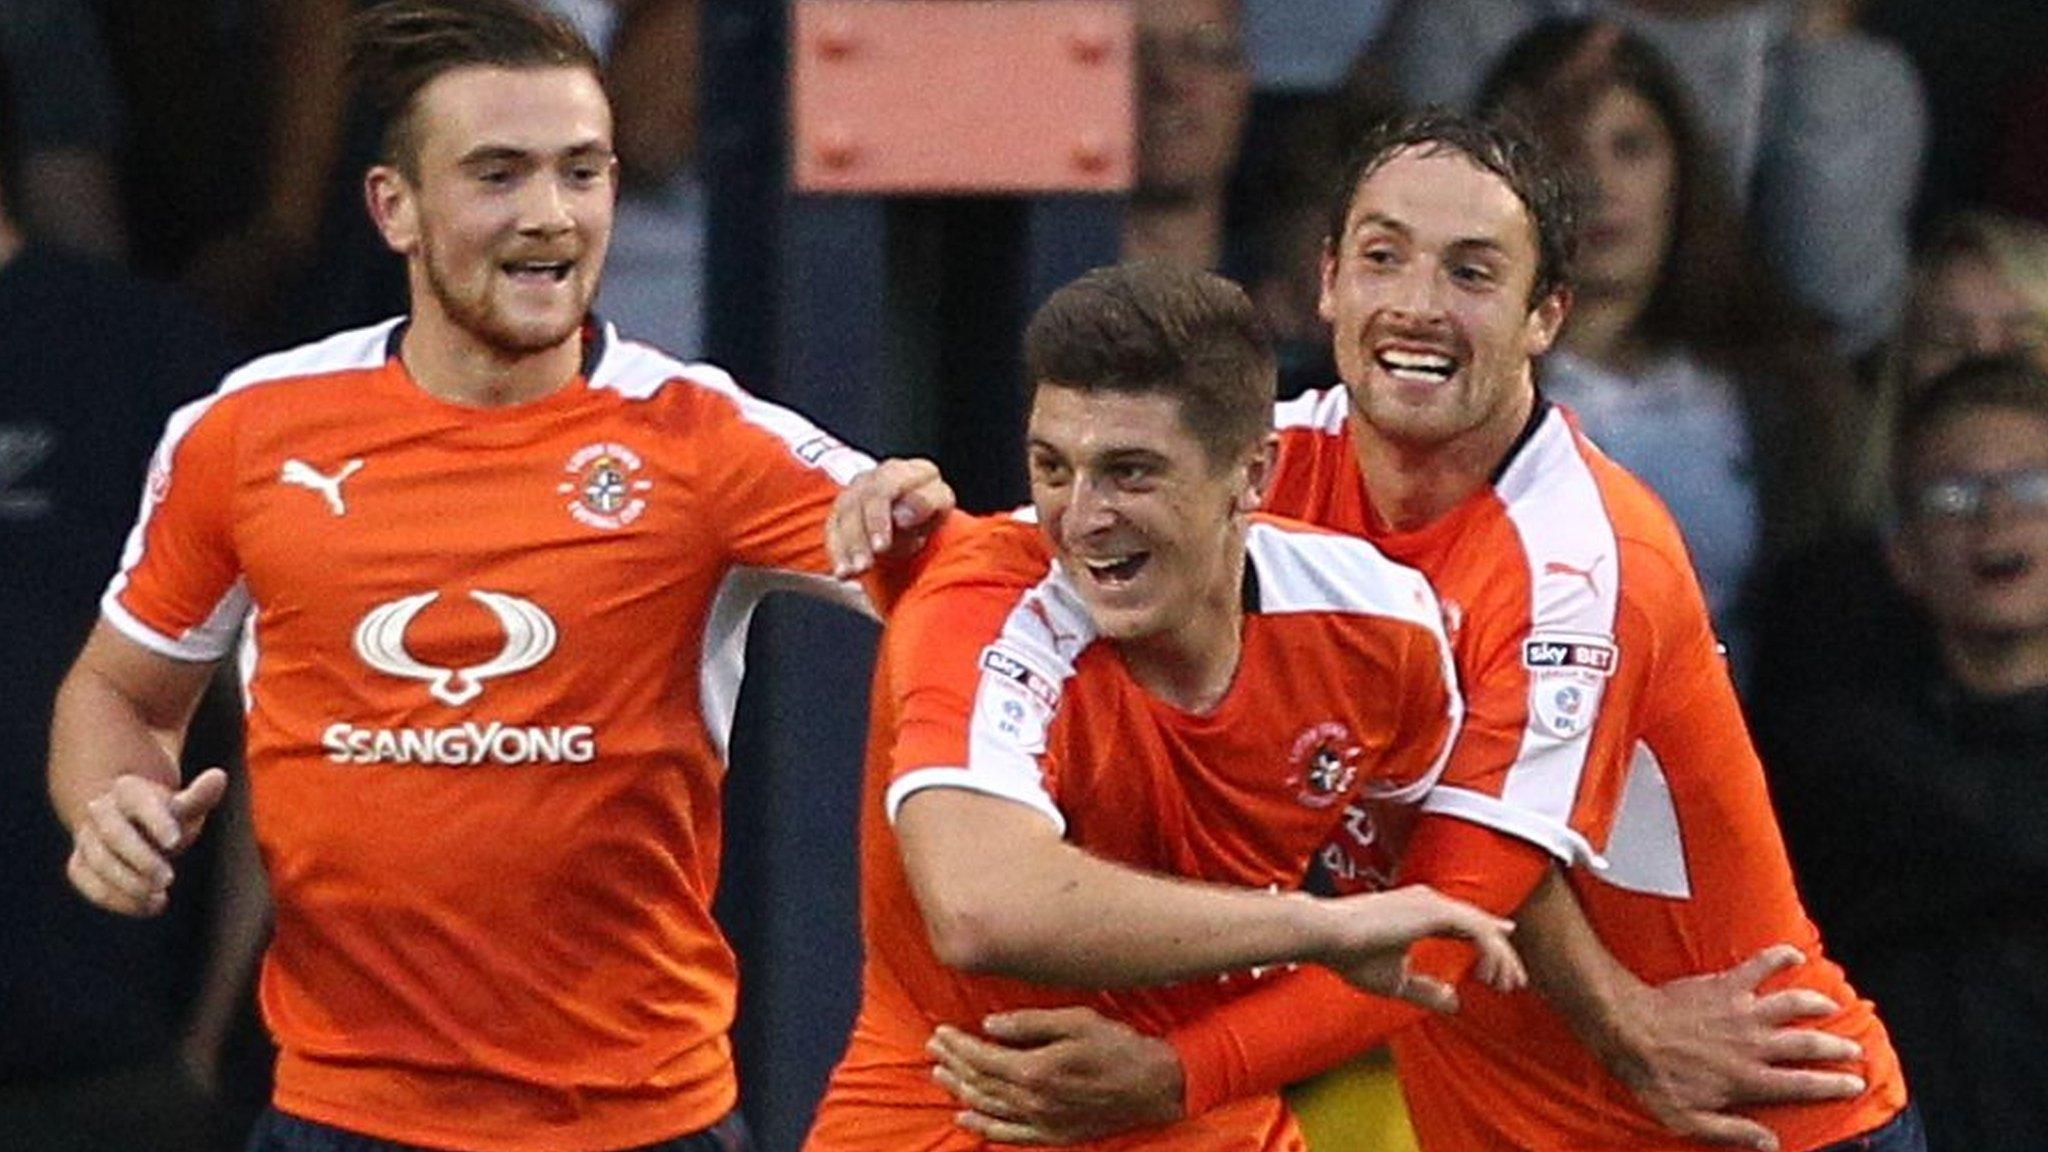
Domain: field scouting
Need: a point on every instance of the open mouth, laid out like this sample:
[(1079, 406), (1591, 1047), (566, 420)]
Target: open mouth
[(1999, 569), (1419, 367), (545, 271), (1117, 572)]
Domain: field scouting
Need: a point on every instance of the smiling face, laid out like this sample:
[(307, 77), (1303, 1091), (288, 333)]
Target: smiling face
[(1427, 292), (1973, 546), (1148, 525), (505, 221)]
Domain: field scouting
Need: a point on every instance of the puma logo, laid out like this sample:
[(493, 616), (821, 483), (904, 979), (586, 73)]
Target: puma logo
[(1560, 568), (329, 487)]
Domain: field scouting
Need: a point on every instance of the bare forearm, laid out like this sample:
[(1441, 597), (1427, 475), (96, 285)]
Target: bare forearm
[(97, 734), (121, 711), (1078, 920), (1574, 971)]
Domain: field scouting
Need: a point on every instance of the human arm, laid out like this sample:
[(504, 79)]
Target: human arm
[(115, 735), (1055, 914), (1694, 1049), (888, 513)]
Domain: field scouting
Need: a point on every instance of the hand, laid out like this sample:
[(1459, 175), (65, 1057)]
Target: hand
[(1057, 1076), (1704, 1045), (121, 852), (889, 512), (1385, 923)]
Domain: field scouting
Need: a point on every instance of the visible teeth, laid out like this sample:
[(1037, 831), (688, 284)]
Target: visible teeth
[(1114, 569), (1418, 365)]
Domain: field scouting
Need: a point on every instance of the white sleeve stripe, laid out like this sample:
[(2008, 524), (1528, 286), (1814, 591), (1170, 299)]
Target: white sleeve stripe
[(1553, 837), (639, 372), (1308, 571), (355, 349), (972, 781), (1568, 541), (1324, 411), (127, 624)]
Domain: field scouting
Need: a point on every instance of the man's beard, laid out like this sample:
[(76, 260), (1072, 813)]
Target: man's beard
[(480, 321)]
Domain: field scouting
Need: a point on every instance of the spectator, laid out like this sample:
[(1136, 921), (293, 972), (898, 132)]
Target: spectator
[(1822, 126), (1683, 358), (1930, 779), (67, 126), (1980, 289), (655, 274), (114, 1029), (1192, 104)]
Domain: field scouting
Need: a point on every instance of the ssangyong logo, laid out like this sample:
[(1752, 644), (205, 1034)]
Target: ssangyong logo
[(530, 636)]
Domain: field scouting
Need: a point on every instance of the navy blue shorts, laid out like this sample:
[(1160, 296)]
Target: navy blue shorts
[(278, 1132), (1902, 1133)]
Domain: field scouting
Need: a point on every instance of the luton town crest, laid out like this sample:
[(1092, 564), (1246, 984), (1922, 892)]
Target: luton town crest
[(1325, 761), (604, 487)]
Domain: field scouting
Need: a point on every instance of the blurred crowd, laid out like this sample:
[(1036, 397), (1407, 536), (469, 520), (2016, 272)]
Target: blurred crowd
[(1812, 314)]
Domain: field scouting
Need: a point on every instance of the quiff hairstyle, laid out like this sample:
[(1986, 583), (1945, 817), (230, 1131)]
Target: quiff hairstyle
[(1150, 327), (401, 46), (1502, 146)]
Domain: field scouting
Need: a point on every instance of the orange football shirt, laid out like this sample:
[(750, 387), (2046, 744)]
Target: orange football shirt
[(490, 660), (991, 679), (1602, 727)]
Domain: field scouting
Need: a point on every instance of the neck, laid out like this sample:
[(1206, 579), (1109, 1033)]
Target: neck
[(1186, 231), (1192, 666), (1602, 327), (1413, 485), (2001, 664), (450, 364)]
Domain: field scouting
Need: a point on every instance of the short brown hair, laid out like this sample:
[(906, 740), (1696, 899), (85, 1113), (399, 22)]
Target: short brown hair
[(1150, 326), (1500, 145), (401, 46), (2008, 383)]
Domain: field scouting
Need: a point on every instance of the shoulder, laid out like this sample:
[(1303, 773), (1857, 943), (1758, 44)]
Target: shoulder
[(992, 555), (282, 375), (355, 350), (694, 392), (1317, 412), (1302, 568)]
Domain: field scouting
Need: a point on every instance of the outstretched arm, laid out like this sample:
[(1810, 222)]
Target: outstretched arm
[(1055, 914), (1691, 1049), (114, 741)]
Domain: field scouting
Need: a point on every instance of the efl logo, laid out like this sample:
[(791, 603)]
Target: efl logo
[(1558, 653)]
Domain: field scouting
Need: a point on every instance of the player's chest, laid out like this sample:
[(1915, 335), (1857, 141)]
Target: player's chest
[(555, 522), (1275, 766)]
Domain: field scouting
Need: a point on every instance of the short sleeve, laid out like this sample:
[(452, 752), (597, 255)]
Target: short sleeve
[(179, 590)]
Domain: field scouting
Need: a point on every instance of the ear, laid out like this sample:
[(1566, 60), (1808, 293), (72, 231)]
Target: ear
[(1546, 320), (394, 207), (1258, 474), (1902, 556), (1326, 304)]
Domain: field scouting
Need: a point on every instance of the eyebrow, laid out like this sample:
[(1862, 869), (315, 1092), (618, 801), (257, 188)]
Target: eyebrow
[(1467, 244), (490, 153)]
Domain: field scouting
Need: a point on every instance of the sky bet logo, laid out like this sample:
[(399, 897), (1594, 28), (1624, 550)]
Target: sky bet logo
[(1558, 653)]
